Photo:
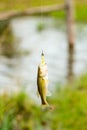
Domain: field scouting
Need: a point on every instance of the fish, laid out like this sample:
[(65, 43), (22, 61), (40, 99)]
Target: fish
[(42, 81)]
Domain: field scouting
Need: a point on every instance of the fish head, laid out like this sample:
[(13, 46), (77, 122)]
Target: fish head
[(43, 71)]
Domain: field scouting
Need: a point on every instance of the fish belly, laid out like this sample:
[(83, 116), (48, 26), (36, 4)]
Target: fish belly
[(42, 89)]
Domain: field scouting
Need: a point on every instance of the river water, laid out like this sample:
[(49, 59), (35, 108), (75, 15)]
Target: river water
[(21, 71)]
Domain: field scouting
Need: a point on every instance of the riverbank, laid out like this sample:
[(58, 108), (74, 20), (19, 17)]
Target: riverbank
[(80, 7)]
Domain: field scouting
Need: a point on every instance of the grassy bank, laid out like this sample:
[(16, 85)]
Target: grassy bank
[(80, 7), (19, 112), (23, 4)]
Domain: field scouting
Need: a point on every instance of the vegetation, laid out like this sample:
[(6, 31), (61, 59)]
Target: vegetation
[(19, 112), (7, 46), (6, 37), (80, 7), (23, 4), (40, 27), (69, 102)]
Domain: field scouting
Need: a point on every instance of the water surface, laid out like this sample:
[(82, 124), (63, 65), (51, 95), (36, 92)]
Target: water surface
[(21, 71)]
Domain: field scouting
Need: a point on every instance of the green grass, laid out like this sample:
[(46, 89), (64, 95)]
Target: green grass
[(81, 11), (80, 7), (70, 109), (23, 4)]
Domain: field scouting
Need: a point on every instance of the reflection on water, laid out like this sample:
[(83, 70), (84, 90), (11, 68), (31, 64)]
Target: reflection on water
[(7, 46), (22, 71), (70, 62)]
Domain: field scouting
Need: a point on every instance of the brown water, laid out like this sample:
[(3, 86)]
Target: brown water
[(21, 71)]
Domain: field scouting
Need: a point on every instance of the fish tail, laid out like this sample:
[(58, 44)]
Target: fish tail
[(45, 106), (44, 102), (48, 107)]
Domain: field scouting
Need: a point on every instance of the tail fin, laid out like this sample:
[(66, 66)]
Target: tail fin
[(45, 106)]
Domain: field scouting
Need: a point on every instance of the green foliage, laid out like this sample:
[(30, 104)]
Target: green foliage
[(3, 25), (6, 39), (70, 110), (23, 4), (7, 123), (58, 14), (80, 7), (81, 10), (40, 27), (19, 109)]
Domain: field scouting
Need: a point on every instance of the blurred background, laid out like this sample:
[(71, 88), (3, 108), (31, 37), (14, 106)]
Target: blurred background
[(26, 28)]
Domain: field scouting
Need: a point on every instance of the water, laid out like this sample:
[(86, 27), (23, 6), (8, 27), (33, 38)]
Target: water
[(22, 71)]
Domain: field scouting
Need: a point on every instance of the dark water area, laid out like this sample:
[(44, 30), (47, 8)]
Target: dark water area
[(32, 35)]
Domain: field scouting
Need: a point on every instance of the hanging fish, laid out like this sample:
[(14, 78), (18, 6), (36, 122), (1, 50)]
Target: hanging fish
[(42, 81)]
